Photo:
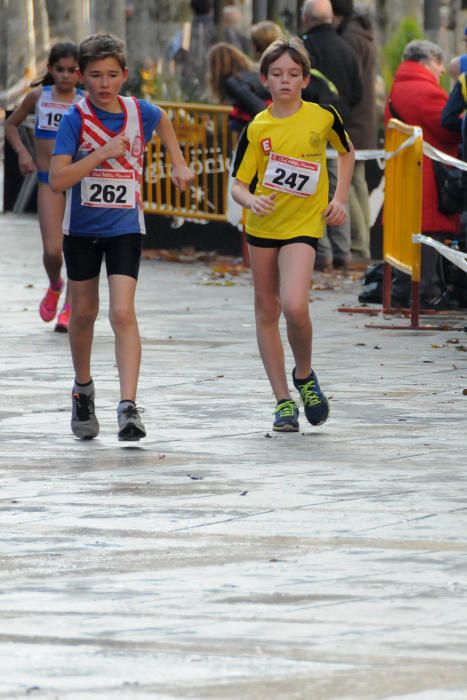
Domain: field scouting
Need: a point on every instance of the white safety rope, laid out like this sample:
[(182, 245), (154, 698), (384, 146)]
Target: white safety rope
[(457, 257)]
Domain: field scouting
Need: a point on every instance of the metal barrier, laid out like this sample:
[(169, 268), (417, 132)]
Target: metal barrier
[(207, 144), (402, 213)]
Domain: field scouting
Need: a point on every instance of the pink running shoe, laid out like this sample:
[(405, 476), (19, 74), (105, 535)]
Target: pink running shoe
[(63, 319), (48, 305)]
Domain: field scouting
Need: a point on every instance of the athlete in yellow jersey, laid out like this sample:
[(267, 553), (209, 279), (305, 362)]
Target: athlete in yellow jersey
[(281, 178)]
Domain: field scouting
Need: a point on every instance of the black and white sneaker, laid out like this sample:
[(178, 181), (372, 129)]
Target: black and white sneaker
[(130, 425)]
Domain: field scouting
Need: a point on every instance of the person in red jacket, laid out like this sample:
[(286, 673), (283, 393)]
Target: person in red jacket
[(417, 98)]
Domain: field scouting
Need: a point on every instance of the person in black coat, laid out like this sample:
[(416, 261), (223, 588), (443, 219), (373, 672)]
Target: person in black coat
[(329, 53), (336, 60)]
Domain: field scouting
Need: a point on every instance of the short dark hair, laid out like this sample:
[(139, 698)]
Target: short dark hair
[(294, 47), (201, 7), (101, 45), (342, 8)]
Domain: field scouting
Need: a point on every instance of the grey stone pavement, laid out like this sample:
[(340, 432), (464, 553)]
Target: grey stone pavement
[(216, 560)]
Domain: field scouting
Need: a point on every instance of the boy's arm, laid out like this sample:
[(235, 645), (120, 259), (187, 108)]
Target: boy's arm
[(335, 213), (25, 160), (64, 173), (182, 176), (258, 204)]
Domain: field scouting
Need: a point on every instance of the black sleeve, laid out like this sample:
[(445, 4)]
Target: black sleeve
[(455, 105), (242, 96), (242, 145), (338, 126)]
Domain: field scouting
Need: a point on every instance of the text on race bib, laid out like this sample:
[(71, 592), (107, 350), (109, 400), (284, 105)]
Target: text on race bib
[(291, 175), (49, 115), (114, 189)]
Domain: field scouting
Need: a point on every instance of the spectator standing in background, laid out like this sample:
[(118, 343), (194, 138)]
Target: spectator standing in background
[(263, 34), (188, 51), (357, 31), (336, 60), (458, 64), (234, 79), (417, 98), (232, 29)]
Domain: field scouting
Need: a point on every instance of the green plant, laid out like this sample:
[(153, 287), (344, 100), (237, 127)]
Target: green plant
[(408, 30)]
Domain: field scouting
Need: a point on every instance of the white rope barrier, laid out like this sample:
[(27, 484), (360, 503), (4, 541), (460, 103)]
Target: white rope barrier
[(428, 150), (457, 257)]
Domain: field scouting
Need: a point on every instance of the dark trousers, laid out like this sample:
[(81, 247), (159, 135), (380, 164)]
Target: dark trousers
[(432, 279)]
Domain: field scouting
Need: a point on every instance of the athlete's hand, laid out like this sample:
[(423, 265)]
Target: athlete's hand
[(26, 164), (336, 213), (262, 204), (116, 147), (182, 176)]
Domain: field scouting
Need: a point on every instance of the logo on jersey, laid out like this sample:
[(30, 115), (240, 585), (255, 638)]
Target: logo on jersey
[(315, 138), (266, 145), (136, 147), (86, 146)]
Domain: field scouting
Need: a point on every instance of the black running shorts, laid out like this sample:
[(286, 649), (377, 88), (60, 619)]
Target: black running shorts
[(83, 256), (279, 242)]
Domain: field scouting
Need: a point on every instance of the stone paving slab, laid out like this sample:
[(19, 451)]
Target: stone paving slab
[(215, 559)]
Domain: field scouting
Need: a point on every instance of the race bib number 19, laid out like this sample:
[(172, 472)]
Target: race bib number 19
[(108, 188), (291, 175), (49, 115)]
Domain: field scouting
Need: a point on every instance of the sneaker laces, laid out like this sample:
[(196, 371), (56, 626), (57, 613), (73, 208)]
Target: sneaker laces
[(286, 409), (131, 411), (82, 402), (309, 395)]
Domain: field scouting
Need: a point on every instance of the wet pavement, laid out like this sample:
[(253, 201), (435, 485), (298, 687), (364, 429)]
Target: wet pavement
[(215, 559)]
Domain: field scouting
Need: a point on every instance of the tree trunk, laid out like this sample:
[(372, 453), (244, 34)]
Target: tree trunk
[(108, 16), (69, 20)]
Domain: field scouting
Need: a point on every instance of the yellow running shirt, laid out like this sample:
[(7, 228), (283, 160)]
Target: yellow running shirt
[(288, 157)]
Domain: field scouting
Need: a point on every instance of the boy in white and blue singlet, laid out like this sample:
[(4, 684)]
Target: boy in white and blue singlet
[(98, 160)]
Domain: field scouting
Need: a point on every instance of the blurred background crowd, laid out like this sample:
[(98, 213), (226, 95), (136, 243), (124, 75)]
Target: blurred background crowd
[(152, 29), (373, 60)]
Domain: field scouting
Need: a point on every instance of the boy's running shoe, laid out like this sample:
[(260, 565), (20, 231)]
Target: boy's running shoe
[(48, 305), (63, 319), (84, 423), (314, 401), (286, 416), (130, 426)]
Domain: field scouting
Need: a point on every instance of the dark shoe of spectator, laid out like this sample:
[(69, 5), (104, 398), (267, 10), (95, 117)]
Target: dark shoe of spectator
[(323, 266), (341, 265), (442, 303)]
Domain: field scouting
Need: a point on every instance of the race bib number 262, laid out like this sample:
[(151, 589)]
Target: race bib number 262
[(291, 175), (108, 189)]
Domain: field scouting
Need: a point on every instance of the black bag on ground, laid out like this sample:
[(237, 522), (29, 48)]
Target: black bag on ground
[(449, 186), (372, 285)]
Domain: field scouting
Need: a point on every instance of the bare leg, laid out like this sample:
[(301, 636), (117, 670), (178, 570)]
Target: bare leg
[(296, 269), (84, 305), (265, 272), (51, 207), (125, 327)]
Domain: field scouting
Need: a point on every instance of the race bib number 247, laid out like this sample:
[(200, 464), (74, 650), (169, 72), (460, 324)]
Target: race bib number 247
[(291, 175)]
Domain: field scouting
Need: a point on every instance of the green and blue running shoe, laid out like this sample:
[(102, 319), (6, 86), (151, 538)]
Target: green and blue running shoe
[(314, 401), (286, 416)]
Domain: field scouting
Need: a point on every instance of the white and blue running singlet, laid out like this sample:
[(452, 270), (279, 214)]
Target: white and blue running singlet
[(49, 112), (107, 202)]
